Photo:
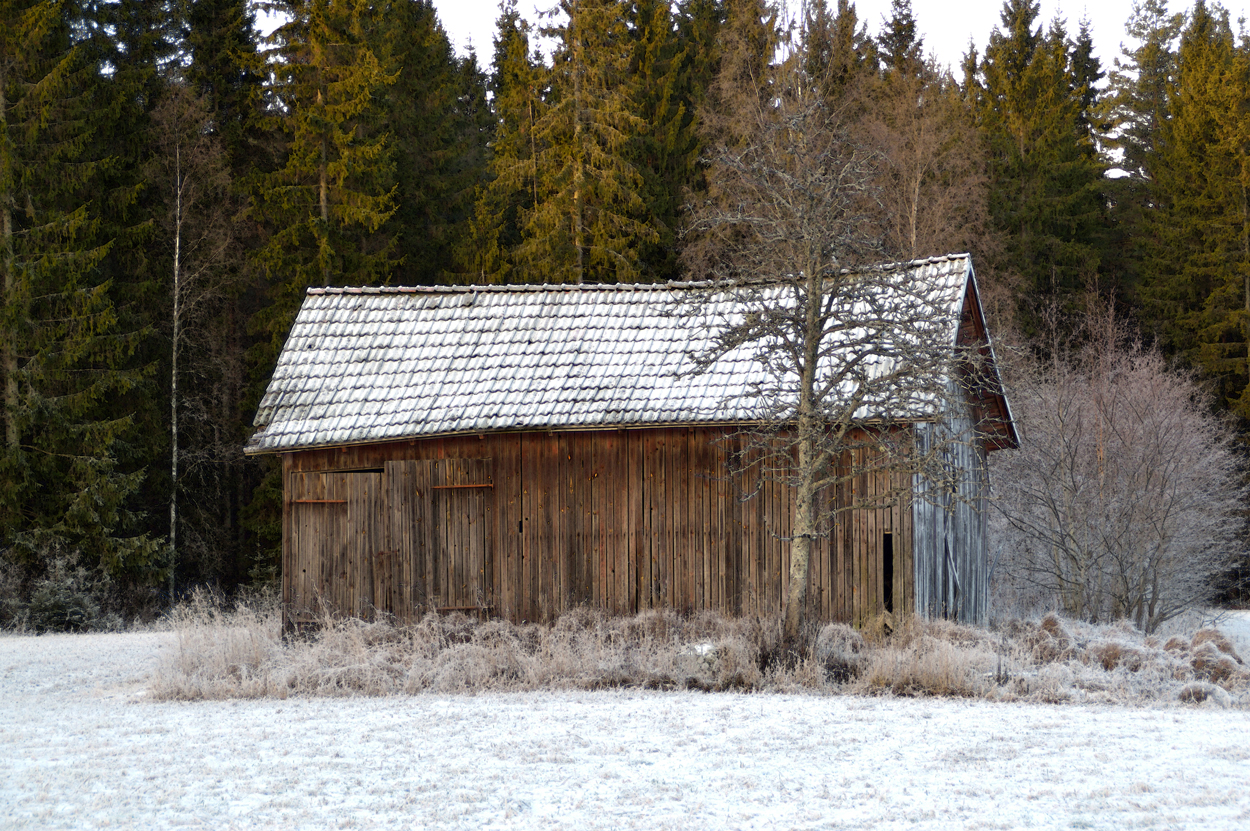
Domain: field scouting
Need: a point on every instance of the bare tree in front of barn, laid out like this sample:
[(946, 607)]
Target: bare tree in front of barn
[(195, 222), (847, 358), (1126, 497)]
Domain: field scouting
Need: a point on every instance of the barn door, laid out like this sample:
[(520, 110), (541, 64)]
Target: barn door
[(336, 534), (441, 530)]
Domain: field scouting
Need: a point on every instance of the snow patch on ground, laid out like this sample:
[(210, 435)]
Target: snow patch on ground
[(81, 746)]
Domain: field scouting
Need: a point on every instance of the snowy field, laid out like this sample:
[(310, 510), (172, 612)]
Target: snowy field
[(81, 746)]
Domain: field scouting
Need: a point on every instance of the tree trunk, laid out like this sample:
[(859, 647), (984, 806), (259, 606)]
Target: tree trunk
[(804, 533), (323, 197), (173, 371), (9, 345), (578, 170), (803, 521)]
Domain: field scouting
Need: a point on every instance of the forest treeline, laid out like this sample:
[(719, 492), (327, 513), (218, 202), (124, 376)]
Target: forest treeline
[(171, 183)]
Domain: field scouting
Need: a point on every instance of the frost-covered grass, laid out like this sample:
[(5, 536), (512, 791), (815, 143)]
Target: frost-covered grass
[(83, 744), (239, 654)]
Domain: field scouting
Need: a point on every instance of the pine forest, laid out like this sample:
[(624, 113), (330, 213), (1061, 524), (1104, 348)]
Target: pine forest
[(172, 181)]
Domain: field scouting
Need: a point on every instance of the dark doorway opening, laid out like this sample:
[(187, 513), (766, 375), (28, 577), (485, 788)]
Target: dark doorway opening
[(887, 571)]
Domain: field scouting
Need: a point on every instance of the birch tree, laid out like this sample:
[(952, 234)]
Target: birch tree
[(934, 185), (190, 175)]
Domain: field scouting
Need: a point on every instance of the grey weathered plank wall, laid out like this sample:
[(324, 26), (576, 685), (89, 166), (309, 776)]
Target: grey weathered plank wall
[(949, 543)]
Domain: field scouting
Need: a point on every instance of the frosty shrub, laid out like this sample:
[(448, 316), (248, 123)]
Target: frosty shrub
[(225, 650), (12, 604), (65, 597), (932, 658), (228, 651), (235, 650), (1122, 501)]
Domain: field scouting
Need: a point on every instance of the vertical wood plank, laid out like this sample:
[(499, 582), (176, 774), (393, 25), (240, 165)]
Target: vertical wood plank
[(638, 533)]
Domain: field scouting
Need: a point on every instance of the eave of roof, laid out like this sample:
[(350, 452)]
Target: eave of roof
[(367, 365)]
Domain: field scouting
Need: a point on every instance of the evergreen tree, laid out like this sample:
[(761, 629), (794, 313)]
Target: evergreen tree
[(900, 46), (131, 43), (836, 50), (669, 69), (745, 48), (323, 209), (1086, 72), (1031, 98), (1136, 104), (1130, 117), (698, 26), (1197, 275), (511, 190), (67, 486), (224, 66), (475, 127), (437, 137), (590, 219)]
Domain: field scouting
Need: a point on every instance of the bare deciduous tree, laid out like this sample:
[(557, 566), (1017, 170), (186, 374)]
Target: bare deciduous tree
[(933, 186), (848, 356), (1123, 501), (189, 170)]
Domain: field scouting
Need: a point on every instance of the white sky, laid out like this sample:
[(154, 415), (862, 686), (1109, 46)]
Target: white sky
[(947, 26)]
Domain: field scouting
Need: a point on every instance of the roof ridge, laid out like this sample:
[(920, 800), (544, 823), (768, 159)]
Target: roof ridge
[(506, 288)]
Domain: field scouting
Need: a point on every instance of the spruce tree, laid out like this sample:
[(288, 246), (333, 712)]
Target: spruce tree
[(1197, 272), (511, 188), (590, 220), (224, 65), (67, 481), (669, 76), (745, 48), (836, 50), (322, 211), (900, 45), (222, 69), (437, 137), (324, 208), (1031, 99), (1136, 104), (1130, 117)]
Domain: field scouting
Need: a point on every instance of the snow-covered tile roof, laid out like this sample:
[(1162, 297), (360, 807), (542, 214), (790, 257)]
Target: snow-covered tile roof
[(379, 364)]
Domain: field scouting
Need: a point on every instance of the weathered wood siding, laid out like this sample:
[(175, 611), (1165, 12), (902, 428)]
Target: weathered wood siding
[(950, 544), (528, 525)]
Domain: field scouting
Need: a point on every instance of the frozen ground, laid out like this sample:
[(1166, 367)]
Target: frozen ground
[(82, 747)]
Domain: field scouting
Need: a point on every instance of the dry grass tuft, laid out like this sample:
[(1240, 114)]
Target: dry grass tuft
[(1051, 642), (1197, 692), (841, 652), (1216, 639), (237, 652), (1115, 654), (1176, 644), (1209, 664)]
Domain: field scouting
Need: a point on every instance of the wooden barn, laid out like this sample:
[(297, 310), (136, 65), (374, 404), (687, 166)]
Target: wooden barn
[(516, 451)]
